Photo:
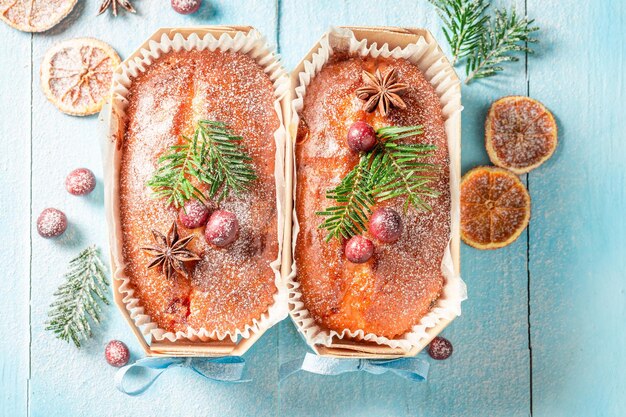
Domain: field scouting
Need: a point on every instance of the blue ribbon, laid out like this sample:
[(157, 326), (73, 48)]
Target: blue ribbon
[(413, 369), (226, 369)]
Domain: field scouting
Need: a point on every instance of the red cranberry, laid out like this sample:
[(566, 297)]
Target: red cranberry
[(386, 225), (222, 228), (193, 214), (440, 348), (51, 223), (361, 137), (186, 6), (81, 181), (116, 353), (359, 249)]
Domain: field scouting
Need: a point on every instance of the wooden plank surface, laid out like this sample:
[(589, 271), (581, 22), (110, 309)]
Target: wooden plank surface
[(15, 159), (578, 231), (574, 248)]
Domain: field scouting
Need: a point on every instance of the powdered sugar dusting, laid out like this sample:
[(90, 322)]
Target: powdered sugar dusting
[(229, 287), (393, 290)]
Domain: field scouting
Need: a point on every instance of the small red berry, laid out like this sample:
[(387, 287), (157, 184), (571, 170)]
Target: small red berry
[(359, 249), (81, 181), (361, 137), (386, 225), (186, 6), (116, 353), (440, 348), (51, 223), (193, 214), (222, 228)]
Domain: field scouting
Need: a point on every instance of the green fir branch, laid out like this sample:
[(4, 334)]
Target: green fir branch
[(172, 178), (354, 200), (397, 171), (77, 300), (391, 170), (227, 167), (484, 42), (464, 22), (507, 33), (214, 156)]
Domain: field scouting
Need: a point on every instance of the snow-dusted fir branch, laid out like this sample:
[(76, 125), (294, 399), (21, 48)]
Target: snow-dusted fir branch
[(78, 300)]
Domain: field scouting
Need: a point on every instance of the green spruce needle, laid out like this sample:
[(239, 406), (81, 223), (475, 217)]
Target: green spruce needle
[(397, 170), (505, 34), (484, 42), (390, 170), (354, 199), (214, 156), (77, 300), (464, 22)]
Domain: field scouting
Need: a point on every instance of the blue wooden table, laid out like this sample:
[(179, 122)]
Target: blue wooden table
[(543, 331)]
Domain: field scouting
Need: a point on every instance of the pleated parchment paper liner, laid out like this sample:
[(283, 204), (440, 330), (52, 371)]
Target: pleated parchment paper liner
[(193, 342), (419, 47)]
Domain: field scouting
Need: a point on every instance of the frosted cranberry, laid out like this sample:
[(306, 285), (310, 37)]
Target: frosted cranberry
[(51, 223), (193, 214), (386, 225), (222, 228), (186, 6), (440, 348), (116, 353), (359, 249), (81, 181), (361, 137)]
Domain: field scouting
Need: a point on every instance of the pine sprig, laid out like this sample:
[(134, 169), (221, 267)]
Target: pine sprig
[(397, 170), (464, 22), (484, 42), (390, 170), (354, 198), (77, 300), (214, 156), (506, 34), (172, 179), (227, 167)]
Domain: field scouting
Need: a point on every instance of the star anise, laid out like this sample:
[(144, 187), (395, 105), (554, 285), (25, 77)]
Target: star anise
[(382, 91), (170, 252), (125, 4)]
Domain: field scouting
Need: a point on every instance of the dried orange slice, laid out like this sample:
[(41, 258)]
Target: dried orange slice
[(34, 15), (495, 207), (76, 75), (520, 134)]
